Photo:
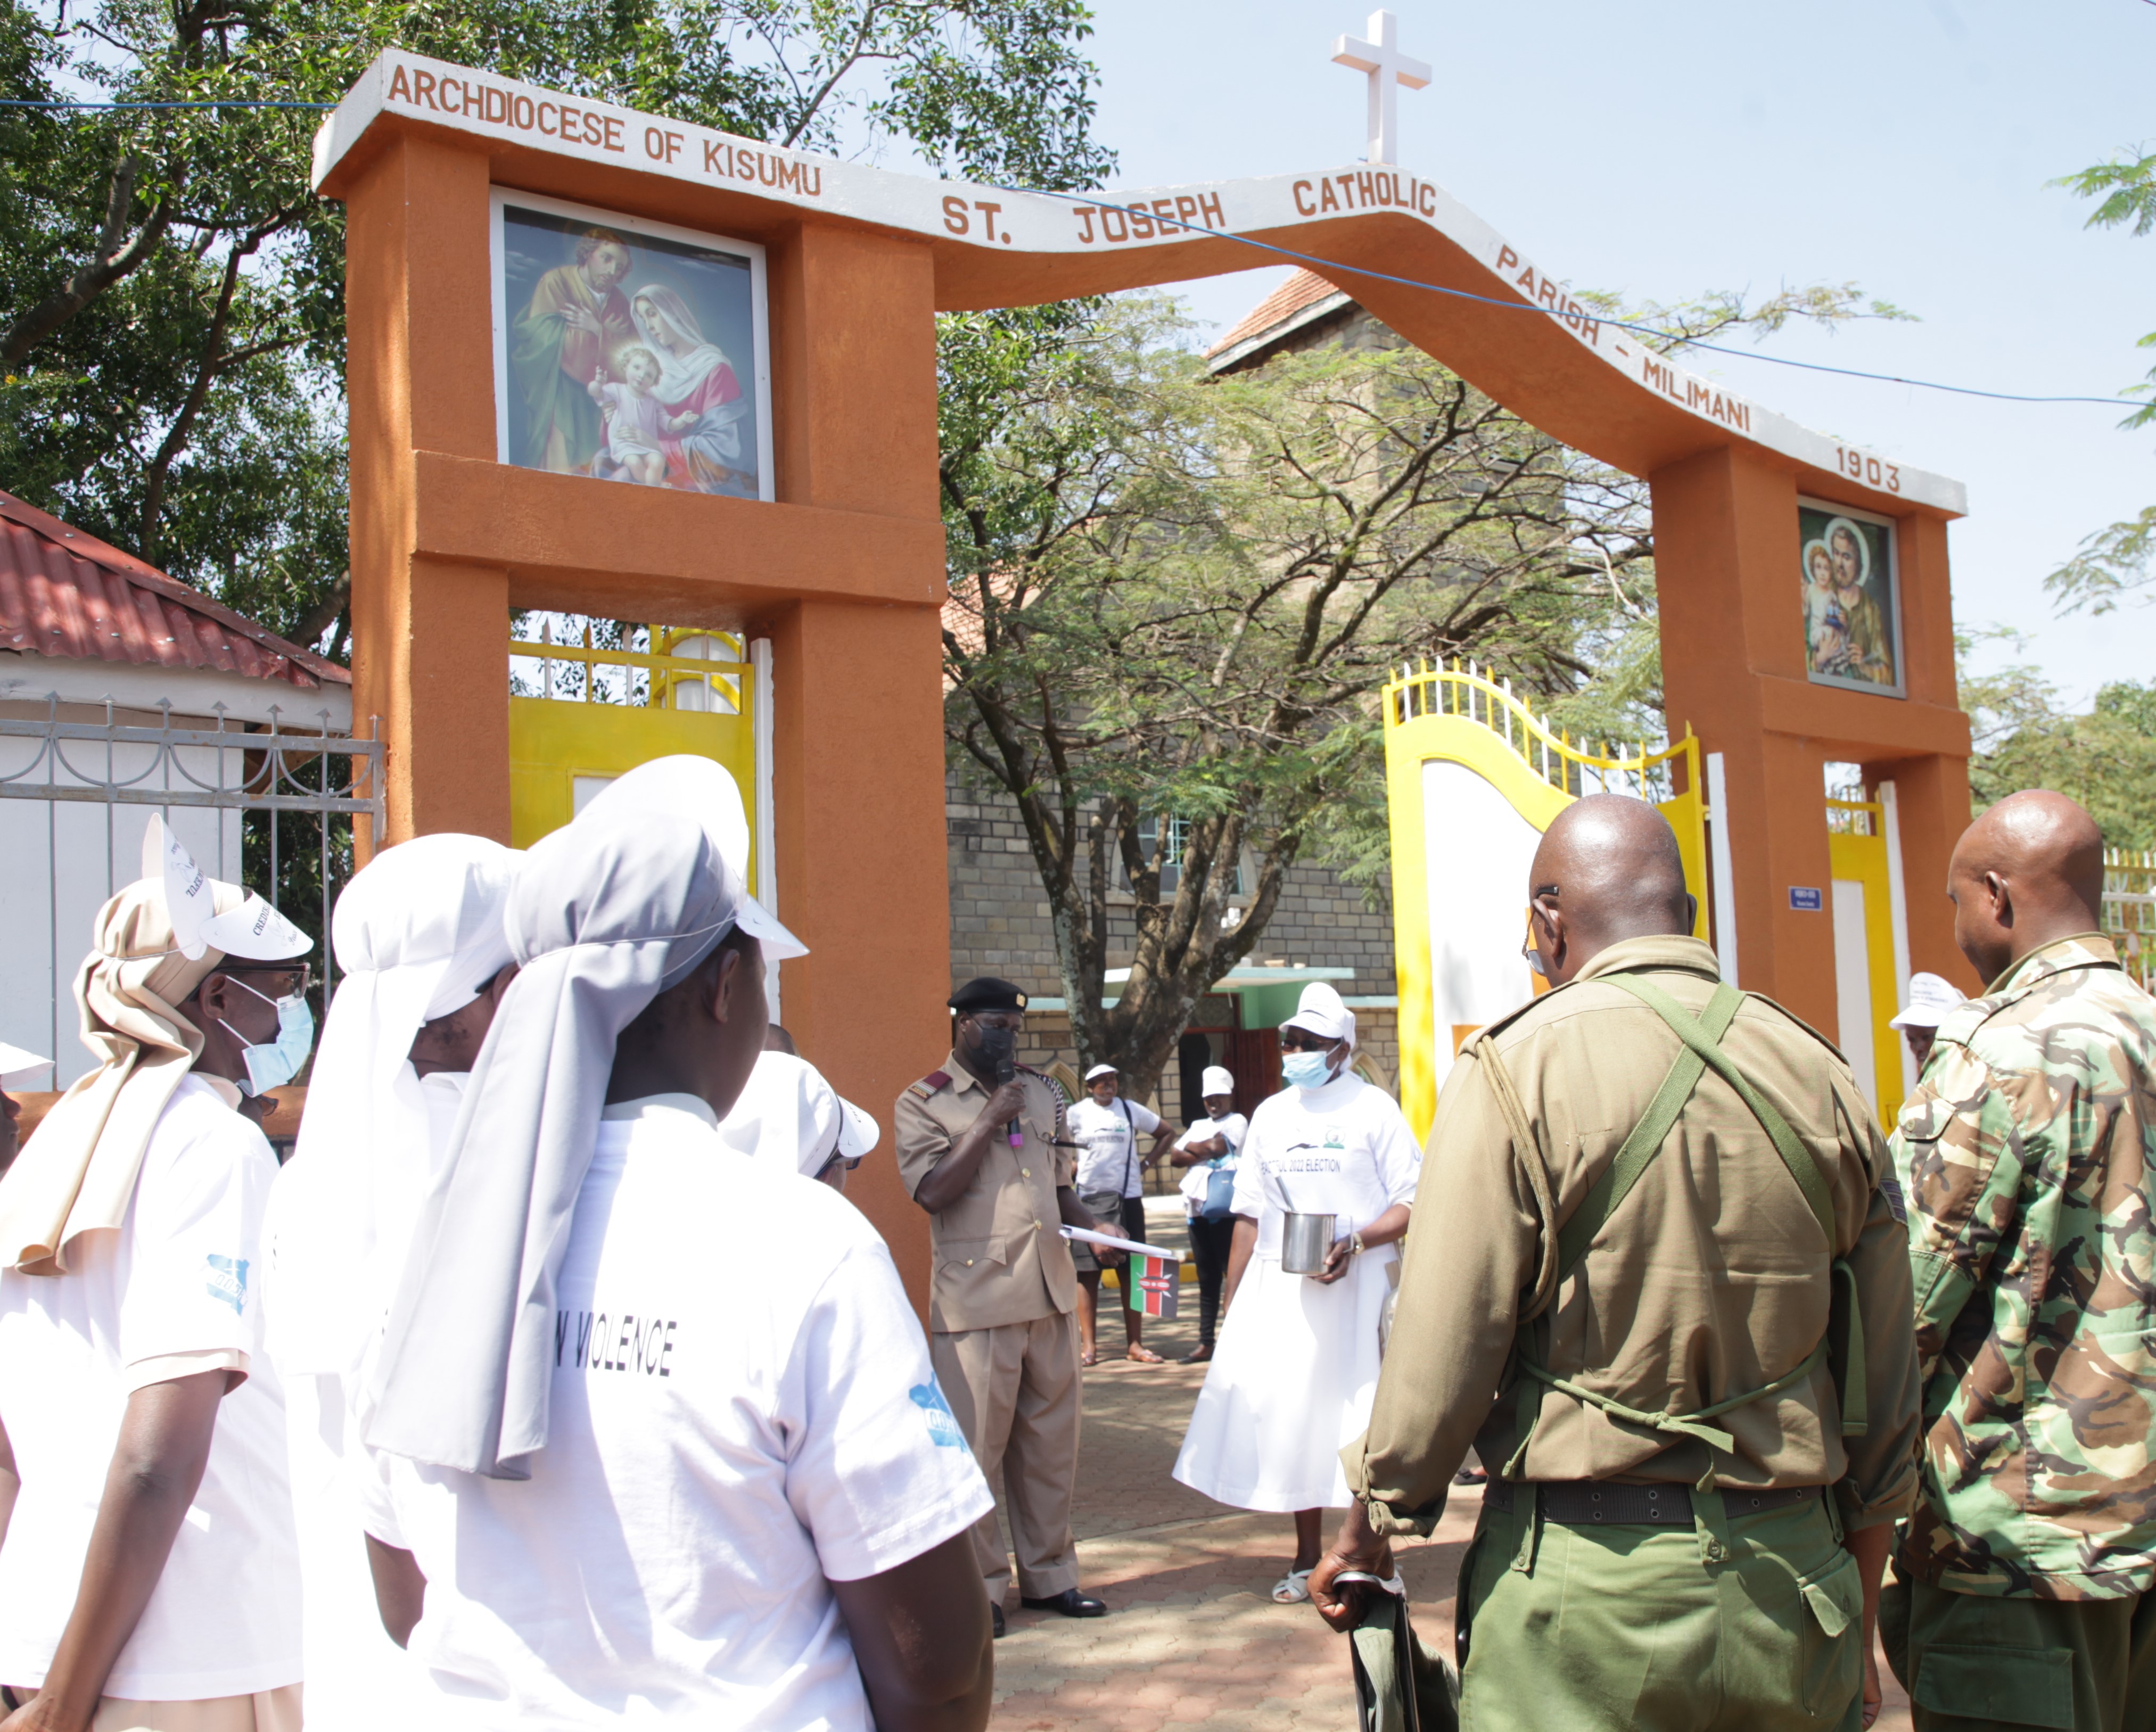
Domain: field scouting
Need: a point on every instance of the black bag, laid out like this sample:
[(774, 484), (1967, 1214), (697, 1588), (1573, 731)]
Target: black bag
[(1401, 1684)]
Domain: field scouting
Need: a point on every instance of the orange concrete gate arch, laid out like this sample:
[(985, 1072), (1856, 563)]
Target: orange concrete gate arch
[(842, 566)]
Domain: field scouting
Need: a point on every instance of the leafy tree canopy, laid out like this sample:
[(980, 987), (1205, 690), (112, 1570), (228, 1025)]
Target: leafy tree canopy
[(170, 291), (2026, 737), (2114, 563)]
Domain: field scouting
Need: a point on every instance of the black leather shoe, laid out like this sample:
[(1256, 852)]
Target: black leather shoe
[(1070, 1603), (996, 1613)]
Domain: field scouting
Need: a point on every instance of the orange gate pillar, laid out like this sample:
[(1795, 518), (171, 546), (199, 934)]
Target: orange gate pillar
[(430, 662), (857, 696), (1733, 670)]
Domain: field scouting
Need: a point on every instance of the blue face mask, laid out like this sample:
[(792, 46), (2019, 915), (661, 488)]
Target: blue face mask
[(1307, 1070), (273, 1064)]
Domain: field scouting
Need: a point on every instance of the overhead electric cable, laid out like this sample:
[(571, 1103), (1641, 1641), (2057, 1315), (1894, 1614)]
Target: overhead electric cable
[(24, 102), (1526, 306)]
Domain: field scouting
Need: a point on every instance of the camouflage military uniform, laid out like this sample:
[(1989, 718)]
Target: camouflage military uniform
[(2028, 1155)]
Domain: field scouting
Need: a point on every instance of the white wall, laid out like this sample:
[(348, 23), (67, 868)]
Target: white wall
[(59, 863)]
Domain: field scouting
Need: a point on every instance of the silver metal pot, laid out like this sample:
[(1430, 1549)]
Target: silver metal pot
[(1305, 1242)]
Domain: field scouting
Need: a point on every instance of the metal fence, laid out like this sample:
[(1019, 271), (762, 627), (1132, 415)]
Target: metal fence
[(268, 805), (2129, 909)]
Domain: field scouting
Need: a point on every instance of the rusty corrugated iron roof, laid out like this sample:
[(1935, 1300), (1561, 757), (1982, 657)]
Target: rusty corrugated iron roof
[(1305, 288), (67, 595)]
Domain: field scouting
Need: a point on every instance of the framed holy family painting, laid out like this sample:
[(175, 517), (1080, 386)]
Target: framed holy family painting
[(629, 351), (1851, 597)]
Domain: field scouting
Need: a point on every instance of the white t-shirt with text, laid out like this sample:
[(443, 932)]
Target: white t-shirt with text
[(742, 1412), (1344, 1150), (180, 1276), (1111, 1161)]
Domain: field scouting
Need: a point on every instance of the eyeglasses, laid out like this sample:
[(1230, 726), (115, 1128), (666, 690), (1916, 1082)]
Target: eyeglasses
[(1013, 1020), (1301, 1040), (290, 981)]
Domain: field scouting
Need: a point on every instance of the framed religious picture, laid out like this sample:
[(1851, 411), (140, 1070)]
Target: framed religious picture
[(629, 351), (1851, 599)]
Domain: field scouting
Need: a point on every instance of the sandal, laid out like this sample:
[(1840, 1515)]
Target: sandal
[(1293, 1588), (1140, 1354), (1089, 1358)]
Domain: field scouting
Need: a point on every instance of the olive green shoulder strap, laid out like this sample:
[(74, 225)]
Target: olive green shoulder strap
[(1704, 1044), (1645, 1142)]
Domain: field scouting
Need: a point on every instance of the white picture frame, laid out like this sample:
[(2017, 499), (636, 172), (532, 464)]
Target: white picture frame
[(1840, 648), (696, 268)]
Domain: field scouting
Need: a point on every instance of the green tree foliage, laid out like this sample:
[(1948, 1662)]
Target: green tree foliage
[(2113, 562), (172, 329), (1178, 596), (2025, 737)]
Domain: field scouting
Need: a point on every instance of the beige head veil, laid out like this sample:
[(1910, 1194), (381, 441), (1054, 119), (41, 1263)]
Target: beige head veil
[(78, 1172)]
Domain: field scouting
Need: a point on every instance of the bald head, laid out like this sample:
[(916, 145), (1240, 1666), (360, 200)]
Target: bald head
[(1608, 870), (2027, 872)]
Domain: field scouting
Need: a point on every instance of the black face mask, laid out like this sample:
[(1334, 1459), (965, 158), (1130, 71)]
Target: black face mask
[(997, 1047)]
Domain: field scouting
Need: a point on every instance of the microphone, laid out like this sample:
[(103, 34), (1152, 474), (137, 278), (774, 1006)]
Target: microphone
[(1007, 1071)]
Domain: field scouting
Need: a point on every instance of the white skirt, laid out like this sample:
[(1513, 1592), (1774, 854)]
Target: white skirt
[(1290, 1386)]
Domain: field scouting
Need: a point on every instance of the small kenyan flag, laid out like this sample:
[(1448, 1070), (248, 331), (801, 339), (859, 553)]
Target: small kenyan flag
[(1152, 1282)]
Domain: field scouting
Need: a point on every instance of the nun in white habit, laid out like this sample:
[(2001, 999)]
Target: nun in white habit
[(1297, 1365), (419, 936)]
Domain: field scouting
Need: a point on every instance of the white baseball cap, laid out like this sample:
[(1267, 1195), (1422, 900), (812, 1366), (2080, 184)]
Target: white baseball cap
[(1098, 1071), (1930, 999), (858, 1133), (1219, 1080)]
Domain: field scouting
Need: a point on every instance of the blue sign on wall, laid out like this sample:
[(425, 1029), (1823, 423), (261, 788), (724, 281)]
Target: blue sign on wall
[(1806, 899)]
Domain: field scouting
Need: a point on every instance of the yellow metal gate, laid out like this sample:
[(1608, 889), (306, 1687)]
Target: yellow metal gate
[(1864, 989)]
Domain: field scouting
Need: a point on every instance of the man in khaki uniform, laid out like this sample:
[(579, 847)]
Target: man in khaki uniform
[(1629, 1282), (987, 1161)]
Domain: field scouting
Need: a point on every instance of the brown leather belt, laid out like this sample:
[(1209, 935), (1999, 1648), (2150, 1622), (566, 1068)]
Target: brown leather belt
[(1585, 1503)]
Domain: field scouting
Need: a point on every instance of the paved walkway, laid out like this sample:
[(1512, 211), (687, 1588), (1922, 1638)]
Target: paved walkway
[(1192, 1638)]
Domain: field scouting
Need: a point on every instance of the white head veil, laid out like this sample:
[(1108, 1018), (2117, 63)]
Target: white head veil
[(606, 913), (682, 375), (417, 931)]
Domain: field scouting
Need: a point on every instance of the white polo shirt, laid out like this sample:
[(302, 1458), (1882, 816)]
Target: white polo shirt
[(181, 1278), (1110, 1133), (742, 1412), (1343, 1150)]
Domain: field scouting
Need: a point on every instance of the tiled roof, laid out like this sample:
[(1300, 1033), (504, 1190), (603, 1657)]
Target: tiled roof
[(65, 594), (1305, 288)]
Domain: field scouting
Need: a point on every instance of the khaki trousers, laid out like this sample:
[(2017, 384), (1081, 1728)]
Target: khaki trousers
[(1971, 1662), (1014, 1389), (276, 1710)]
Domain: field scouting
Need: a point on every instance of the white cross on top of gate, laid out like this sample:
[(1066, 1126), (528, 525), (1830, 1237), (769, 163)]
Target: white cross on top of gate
[(1388, 69)]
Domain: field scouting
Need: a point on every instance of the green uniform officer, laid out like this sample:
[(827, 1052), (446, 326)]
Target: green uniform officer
[(1652, 1236), (2029, 1154)]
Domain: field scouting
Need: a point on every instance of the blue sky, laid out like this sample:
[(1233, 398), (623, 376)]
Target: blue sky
[(1664, 151)]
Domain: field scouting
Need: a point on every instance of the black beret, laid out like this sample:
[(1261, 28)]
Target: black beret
[(988, 993)]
